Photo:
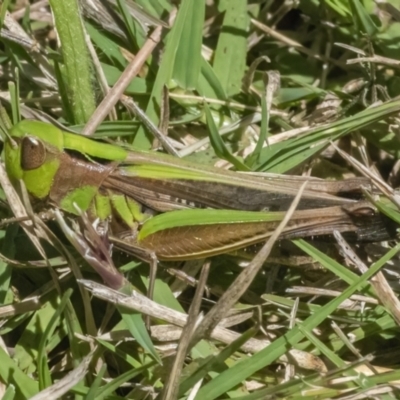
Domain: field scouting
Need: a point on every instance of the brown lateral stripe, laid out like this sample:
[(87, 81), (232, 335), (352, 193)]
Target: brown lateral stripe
[(75, 173)]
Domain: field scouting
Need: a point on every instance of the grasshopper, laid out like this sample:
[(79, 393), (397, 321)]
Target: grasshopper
[(195, 211)]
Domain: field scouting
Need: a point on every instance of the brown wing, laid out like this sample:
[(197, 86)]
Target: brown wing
[(172, 194), (191, 242)]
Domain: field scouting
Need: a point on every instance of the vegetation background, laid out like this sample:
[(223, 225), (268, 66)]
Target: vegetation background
[(265, 86)]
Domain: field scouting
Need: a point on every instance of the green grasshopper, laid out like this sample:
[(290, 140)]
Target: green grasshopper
[(204, 211)]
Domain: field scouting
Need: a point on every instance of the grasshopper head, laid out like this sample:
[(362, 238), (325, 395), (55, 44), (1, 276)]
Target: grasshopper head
[(31, 155)]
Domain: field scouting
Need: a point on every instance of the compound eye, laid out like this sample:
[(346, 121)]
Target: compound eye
[(33, 153)]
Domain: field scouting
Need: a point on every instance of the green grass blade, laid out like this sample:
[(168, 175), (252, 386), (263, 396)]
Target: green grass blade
[(165, 71), (218, 144), (25, 387), (9, 394), (245, 368), (43, 368), (26, 350), (362, 19), (95, 387), (209, 84), (120, 353), (14, 97), (283, 156), (135, 324), (230, 55), (8, 249), (330, 264), (3, 10), (215, 362), (76, 59), (189, 26)]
